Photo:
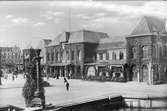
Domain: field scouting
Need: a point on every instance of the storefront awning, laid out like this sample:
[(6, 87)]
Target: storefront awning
[(60, 64), (111, 62)]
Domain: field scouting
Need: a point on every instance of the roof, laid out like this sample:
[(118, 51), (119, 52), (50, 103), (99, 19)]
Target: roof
[(86, 36), (149, 25), (111, 45), (63, 37), (42, 43)]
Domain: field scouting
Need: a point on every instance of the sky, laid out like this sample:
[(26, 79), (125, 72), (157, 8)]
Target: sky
[(25, 23)]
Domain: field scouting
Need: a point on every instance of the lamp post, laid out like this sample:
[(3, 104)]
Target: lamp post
[(39, 99)]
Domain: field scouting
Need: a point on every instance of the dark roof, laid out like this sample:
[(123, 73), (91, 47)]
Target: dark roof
[(86, 36), (63, 37), (111, 45), (149, 25)]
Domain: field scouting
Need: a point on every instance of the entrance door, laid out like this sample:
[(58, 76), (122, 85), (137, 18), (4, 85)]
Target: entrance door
[(145, 73), (134, 73)]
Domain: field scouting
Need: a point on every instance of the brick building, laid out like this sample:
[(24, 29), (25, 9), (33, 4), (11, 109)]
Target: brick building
[(147, 51), (11, 57), (69, 51), (141, 57)]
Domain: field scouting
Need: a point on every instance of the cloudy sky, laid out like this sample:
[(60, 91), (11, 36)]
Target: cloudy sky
[(25, 23)]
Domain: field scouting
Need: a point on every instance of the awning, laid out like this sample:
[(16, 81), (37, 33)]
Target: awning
[(110, 62), (60, 64)]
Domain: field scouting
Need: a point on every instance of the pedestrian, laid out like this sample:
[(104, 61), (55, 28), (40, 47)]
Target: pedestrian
[(13, 76), (67, 86), (65, 80)]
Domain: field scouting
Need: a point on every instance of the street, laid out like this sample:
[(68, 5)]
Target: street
[(56, 94)]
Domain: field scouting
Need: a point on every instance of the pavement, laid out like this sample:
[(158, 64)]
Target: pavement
[(80, 90)]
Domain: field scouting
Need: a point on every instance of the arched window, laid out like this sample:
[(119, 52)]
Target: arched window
[(145, 73), (63, 55), (72, 55), (113, 56), (154, 51), (160, 51), (79, 55), (56, 56), (107, 55), (121, 55), (48, 58), (67, 54), (133, 52), (52, 56), (145, 51)]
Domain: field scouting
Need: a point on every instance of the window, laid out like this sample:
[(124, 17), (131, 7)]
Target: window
[(52, 56), (107, 56), (79, 55), (104, 56), (133, 52), (100, 56), (72, 55), (154, 52), (113, 56), (56, 56), (48, 57), (121, 55), (160, 51), (165, 49), (64, 55), (67, 53), (145, 51)]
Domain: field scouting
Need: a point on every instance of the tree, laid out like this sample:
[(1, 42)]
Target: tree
[(30, 85)]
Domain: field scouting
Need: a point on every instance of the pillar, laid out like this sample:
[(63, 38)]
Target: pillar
[(82, 71), (150, 73)]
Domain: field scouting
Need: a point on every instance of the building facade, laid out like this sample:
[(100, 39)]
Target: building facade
[(87, 54), (147, 51), (11, 57), (68, 53)]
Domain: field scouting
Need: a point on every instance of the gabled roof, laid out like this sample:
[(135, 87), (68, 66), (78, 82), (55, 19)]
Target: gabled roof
[(86, 36), (149, 25), (63, 37)]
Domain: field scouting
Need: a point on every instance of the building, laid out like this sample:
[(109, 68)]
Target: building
[(147, 51), (69, 51), (94, 55), (110, 62), (11, 57)]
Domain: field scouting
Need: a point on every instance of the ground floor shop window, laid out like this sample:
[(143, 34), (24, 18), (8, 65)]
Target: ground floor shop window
[(91, 71), (134, 74), (145, 73)]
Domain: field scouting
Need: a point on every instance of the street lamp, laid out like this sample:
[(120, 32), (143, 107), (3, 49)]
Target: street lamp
[(39, 99)]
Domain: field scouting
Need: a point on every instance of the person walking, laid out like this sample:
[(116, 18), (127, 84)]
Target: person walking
[(65, 80), (67, 86), (13, 76)]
